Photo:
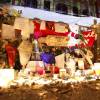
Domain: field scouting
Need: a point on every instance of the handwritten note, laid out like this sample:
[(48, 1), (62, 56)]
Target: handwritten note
[(8, 31)]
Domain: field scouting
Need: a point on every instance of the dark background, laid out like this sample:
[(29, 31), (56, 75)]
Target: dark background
[(5, 1)]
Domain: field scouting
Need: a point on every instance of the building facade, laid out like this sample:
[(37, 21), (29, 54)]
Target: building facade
[(68, 7)]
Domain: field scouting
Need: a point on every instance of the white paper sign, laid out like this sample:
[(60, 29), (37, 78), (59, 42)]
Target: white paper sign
[(60, 61), (33, 64), (74, 28), (6, 76)]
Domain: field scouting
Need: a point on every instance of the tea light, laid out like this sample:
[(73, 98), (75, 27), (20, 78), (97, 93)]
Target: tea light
[(62, 73), (55, 76), (97, 68)]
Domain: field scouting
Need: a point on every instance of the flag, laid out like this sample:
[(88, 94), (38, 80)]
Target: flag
[(44, 28)]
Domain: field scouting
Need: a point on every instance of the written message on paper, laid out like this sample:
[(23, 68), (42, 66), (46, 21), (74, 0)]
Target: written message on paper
[(8, 31)]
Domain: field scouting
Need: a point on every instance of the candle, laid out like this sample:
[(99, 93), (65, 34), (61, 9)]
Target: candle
[(62, 73)]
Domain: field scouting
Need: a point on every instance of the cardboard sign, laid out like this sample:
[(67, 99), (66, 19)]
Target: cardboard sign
[(8, 31), (25, 51), (20, 23), (56, 40), (61, 27), (24, 25)]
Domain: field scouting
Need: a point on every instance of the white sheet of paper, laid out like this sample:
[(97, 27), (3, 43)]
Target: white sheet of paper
[(60, 61), (6, 76), (74, 28)]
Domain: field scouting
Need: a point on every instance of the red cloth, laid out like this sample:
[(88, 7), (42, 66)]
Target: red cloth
[(90, 37), (36, 29), (44, 33), (36, 26), (11, 53), (50, 30)]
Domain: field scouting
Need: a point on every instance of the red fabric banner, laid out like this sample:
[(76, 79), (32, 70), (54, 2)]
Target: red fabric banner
[(50, 30), (89, 37), (36, 29)]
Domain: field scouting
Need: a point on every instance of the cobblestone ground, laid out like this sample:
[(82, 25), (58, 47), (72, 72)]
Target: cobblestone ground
[(57, 91)]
